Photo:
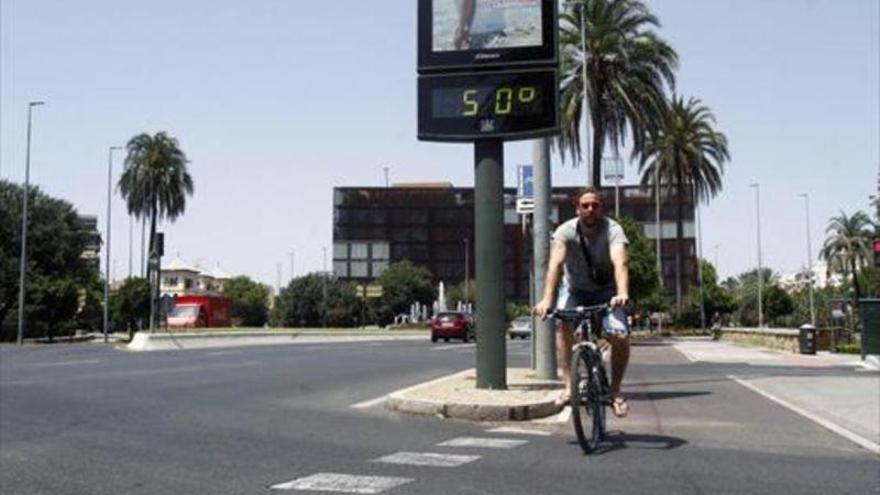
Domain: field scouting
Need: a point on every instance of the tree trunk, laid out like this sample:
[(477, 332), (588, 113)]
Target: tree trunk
[(679, 243), (598, 147)]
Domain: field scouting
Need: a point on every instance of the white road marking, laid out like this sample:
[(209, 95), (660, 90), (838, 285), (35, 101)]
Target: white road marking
[(67, 363), (519, 431), (343, 483), (222, 353), (853, 437), (427, 459), (453, 347), (369, 403), (564, 415), (486, 443)]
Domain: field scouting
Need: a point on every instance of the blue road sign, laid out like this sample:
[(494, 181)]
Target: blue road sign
[(525, 181)]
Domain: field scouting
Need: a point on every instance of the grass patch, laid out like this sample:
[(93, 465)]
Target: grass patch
[(849, 348)]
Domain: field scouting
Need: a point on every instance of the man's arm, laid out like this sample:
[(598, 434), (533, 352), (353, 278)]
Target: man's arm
[(620, 260), (554, 274)]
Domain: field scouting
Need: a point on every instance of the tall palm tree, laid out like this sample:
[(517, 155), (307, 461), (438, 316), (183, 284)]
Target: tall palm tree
[(848, 246), (155, 182), (627, 70), (688, 156)]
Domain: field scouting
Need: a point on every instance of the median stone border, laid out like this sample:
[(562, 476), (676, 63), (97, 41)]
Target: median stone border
[(456, 396), (164, 341), (785, 339)]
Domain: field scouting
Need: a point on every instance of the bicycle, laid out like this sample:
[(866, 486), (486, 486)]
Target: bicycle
[(589, 391)]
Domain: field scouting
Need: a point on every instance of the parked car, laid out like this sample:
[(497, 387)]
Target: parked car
[(520, 327), (452, 325)]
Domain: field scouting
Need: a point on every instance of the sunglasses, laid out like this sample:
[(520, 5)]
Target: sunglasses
[(591, 204)]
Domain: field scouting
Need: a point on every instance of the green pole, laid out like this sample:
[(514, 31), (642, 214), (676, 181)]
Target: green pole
[(489, 223)]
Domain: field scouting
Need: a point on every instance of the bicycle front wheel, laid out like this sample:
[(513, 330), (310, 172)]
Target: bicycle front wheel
[(587, 411)]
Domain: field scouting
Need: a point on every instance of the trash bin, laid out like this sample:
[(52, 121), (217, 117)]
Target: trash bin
[(807, 339), (870, 309)]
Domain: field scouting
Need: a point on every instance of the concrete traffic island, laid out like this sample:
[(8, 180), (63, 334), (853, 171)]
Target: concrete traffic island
[(456, 396), (164, 341)]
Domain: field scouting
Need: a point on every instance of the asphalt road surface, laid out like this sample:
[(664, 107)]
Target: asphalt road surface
[(88, 419)]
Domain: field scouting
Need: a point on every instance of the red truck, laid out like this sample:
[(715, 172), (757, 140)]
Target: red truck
[(200, 312)]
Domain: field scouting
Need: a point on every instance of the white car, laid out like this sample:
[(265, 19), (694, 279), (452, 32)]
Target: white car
[(520, 327)]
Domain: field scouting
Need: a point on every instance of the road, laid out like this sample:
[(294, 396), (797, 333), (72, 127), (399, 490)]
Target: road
[(88, 419)]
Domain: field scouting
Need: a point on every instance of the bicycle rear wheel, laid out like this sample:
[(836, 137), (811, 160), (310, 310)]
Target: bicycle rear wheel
[(587, 411)]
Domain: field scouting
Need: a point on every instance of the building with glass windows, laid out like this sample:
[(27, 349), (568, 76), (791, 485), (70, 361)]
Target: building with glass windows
[(432, 225)]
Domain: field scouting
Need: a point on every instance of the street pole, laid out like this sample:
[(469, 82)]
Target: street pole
[(659, 238), (587, 150), (324, 289), (544, 330), (700, 261), (717, 270), (387, 184), (143, 245), (24, 219), (292, 255), (806, 197), (107, 254), (278, 278), (757, 188), (489, 223), (467, 267)]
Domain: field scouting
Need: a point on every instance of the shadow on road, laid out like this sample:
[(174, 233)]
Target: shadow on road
[(619, 440), (652, 396)]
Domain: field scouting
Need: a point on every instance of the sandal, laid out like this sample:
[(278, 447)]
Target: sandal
[(562, 400), (620, 406)]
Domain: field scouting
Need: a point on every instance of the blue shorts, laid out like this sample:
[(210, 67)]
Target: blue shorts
[(613, 323)]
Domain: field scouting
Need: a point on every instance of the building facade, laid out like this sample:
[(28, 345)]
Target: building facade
[(432, 225), (178, 278)]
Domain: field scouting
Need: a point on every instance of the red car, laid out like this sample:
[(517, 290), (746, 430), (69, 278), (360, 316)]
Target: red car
[(452, 325)]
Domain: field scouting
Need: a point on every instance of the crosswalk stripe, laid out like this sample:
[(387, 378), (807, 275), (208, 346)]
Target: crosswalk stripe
[(427, 459), (343, 483), (519, 431), (488, 443)]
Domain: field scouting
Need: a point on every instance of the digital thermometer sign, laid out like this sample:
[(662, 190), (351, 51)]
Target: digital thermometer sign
[(500, 105)]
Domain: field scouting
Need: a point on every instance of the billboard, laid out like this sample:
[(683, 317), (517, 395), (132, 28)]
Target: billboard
[(466, 34)]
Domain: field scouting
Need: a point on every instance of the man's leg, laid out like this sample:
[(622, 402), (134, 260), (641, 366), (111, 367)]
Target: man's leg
[(564, 341), (619, 360)]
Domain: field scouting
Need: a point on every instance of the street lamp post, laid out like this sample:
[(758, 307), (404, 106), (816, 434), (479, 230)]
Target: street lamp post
[(386, 169), (107, 254), (292, 258), (757, 188), (324, 288), (467, 267), (806, 197), (24, 218)]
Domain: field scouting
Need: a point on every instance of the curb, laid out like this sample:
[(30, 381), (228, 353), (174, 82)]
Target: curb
[(144, 341), (456, 409)]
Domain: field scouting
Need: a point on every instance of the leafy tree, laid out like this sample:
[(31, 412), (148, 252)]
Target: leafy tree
[(403, 283), (249, 301), (687, 154), (627, 68), (302, 303), (775, 302), (155, 182), (56, 271), (455, 294), (643, 278), (870, 279), (130, 304), (718, 301), (848, 246)]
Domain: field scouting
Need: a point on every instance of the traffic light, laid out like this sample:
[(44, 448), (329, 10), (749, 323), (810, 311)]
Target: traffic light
[(877, 253)]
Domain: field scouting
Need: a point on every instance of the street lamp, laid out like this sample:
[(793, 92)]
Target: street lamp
[(757, 188), (24, 218), (292, 258), (806, 197), (107, 255), (324, 288), (386, 169)]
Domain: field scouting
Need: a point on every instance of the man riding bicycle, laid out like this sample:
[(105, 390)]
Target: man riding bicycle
[(592, 250)]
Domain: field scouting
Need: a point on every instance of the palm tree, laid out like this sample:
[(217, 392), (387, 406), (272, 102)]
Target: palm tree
[(848, 246), (688, 155), (627, 69), (155, 182)]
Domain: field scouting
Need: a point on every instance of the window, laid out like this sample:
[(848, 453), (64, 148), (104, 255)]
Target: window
[(358, 269), (340, 269), (379, 268), (359, 251), (380, 251), (340, 250)]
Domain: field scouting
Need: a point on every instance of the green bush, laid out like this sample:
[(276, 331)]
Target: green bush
[(849, 348)]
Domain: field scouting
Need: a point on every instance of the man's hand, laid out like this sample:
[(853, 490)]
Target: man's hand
[(542, 309), (619, 300)]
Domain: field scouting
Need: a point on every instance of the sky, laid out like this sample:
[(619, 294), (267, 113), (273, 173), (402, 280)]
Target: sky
[(275, 102)]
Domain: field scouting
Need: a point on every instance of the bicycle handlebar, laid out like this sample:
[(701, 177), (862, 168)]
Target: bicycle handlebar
[(579, 313)]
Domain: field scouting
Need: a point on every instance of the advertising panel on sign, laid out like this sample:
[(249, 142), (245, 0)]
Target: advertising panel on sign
[(491, 105), (469, 34)]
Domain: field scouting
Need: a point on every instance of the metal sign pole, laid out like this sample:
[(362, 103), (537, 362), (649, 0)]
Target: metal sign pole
[(489, 226)]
